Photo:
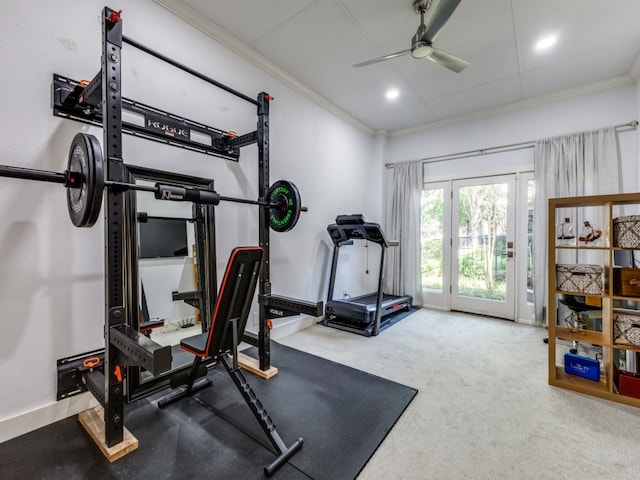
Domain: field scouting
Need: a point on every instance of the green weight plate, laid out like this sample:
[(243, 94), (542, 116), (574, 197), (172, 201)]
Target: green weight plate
[(285, 216), (85, 161)]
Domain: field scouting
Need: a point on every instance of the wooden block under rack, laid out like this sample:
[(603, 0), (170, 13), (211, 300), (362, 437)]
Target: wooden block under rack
[(252, 365), (93, 422)]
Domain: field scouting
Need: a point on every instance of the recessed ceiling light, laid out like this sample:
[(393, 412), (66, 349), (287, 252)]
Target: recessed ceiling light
[(546, 43), (392, 94)]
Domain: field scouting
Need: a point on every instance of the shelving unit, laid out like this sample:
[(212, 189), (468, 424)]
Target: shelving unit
[(594, 336)]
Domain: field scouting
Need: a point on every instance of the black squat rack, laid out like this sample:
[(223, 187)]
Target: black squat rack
[(99, 102)]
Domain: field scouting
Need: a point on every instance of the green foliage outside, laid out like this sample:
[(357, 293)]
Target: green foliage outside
[(431, 224), (482, 223)]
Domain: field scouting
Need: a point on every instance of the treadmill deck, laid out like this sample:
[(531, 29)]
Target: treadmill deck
[(362, 309)]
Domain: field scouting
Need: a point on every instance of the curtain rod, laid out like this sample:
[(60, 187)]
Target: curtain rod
[(501, 148)]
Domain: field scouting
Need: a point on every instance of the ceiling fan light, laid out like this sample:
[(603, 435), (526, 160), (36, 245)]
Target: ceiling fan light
[(421, 50)]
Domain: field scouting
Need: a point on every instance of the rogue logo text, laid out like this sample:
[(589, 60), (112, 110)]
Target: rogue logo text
[(167, 129)]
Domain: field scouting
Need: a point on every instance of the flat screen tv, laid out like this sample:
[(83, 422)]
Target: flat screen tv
[(160, 237)]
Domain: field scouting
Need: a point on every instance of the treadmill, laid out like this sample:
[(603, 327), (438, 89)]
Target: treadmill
[(365, 314)]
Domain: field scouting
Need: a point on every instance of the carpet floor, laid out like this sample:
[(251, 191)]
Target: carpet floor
[(485, 409)]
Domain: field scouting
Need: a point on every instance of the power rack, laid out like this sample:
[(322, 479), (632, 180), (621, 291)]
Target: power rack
[(87, 102)]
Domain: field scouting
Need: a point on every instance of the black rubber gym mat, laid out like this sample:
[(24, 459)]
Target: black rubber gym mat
[(343, 415), (178, 443)]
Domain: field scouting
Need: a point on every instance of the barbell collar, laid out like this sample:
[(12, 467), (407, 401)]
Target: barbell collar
[(182, 194)]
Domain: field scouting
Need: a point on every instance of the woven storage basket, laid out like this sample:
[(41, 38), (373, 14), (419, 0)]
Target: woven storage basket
[(626, 326), (578, 278), (626, 231)]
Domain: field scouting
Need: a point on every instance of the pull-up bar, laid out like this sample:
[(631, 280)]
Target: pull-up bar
[(190, 70)]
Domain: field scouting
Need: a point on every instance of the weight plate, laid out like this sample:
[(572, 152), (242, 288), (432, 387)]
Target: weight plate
[(285, 216), (85, 160)]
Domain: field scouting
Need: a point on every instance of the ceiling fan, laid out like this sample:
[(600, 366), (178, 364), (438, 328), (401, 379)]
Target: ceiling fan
[(422, 41)]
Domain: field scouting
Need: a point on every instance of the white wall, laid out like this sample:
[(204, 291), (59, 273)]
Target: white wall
[(596, 110), (52, 295)]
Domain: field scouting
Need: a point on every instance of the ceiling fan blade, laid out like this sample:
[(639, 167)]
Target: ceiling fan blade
[(380, 59), (440, 16), (448, 60)]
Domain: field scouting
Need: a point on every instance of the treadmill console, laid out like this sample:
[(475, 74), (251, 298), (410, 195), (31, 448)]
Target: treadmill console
[(354, 226), (354, 218)]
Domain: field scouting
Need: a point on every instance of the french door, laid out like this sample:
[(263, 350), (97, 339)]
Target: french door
[(476, 245), (483, 242)]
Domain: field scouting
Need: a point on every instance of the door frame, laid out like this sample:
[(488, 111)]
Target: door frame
[(497, 308), (524, 312), (441, 300)]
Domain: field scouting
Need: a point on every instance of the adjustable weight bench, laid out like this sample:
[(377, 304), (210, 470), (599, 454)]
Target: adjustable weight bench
[(227, 326)]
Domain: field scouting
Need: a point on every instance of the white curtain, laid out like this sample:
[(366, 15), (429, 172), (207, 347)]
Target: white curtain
[(585, 163), (403, 262)]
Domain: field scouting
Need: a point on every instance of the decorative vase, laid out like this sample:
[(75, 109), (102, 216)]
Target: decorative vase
[(589, 234), (564, 233)]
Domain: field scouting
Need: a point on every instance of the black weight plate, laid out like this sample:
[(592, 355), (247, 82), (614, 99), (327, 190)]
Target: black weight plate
[(285, 216), (85, 159)]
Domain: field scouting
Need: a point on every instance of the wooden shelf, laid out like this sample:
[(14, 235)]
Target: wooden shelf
[(598, 208), (595, 200), (624, 346), (625, 299), (585, 336), (599, 389), (573, 382), (618, 397), (560, 292), (580, 247)]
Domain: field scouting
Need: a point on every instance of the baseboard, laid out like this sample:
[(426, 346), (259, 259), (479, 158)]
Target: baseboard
[(438, 308), (290, 325), (43, 416), (527, 321)]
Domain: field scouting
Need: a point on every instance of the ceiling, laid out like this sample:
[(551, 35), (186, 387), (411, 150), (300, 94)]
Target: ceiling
[(318, 41)]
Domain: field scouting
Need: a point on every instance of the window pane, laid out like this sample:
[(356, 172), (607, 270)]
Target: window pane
[(432, 237), (482, 248)]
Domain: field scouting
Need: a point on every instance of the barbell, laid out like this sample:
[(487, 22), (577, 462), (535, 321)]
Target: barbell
[(85, 184)]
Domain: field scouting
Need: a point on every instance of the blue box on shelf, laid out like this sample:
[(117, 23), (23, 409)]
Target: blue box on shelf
[(582, 366)]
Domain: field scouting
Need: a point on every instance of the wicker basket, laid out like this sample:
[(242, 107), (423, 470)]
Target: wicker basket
[(578, 278), (626, 326), (626, 231)]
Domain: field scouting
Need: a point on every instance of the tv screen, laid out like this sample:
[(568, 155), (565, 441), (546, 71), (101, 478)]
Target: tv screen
[(159, 237)]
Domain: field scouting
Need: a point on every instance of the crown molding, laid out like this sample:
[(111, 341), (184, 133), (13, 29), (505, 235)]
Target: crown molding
[(223, 37), (634, 72)]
